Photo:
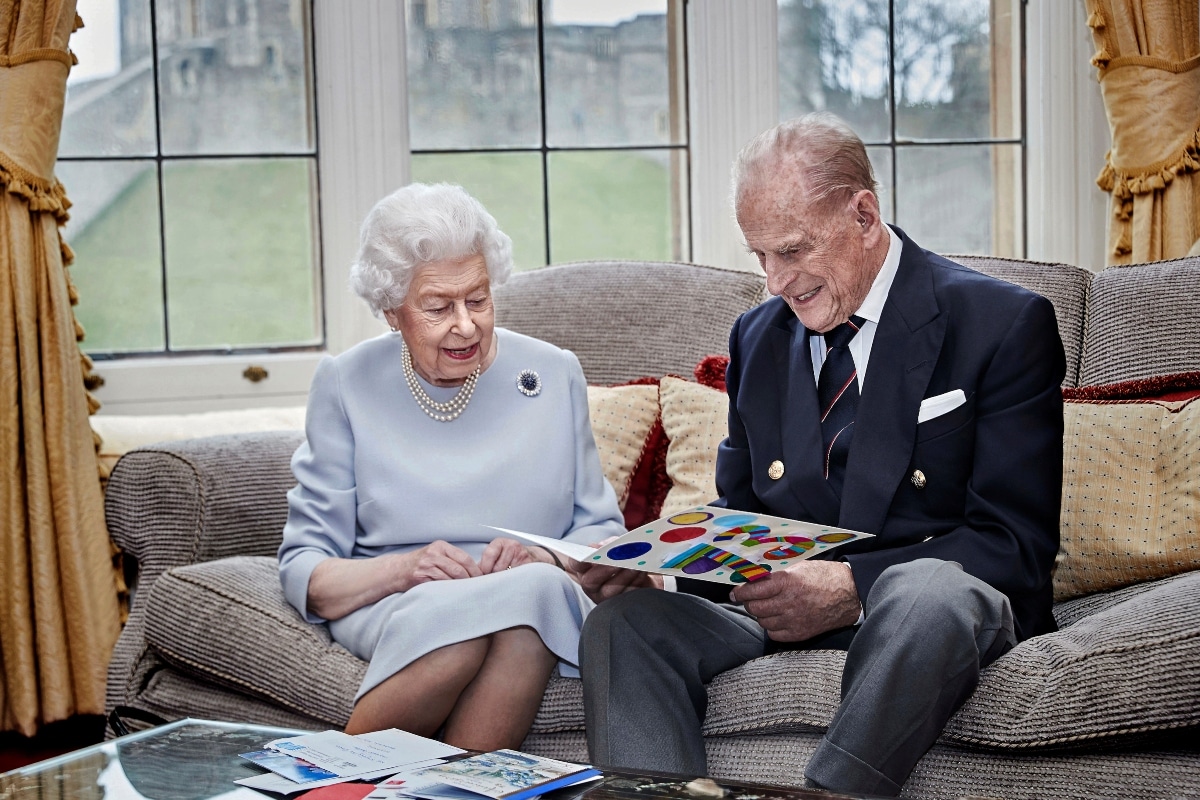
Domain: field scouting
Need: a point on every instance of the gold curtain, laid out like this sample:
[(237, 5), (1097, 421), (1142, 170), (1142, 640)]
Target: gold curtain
[(58, 600), (1148, 54)]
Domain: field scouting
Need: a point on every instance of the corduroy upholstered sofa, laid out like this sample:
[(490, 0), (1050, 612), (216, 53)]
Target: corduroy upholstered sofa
[(1109, 706)]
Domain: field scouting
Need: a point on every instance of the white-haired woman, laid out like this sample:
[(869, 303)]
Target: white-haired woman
[(417, 441)]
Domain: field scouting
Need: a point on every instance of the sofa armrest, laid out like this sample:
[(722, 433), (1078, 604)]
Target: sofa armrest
[(195, 500)]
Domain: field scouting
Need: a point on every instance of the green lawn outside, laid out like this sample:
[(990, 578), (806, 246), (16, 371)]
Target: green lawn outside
[(117, 272), (240, 244), (603, 204)]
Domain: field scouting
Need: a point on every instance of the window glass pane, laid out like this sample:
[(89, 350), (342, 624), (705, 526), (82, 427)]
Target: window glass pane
[(241, 267), (961, 199), (881, 163), (473, 74), (608, 75), (110, 92), (118, 269), (833, 56), (615, 204), (234, 77), (510, 187), (955, 75)]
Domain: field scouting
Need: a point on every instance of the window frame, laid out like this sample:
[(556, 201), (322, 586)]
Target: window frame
[(732, 83)]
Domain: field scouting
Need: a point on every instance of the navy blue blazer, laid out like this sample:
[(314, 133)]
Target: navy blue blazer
[(992, 466)]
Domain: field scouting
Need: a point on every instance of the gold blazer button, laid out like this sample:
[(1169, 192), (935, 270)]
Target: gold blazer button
[(775, 471), (918, 479)]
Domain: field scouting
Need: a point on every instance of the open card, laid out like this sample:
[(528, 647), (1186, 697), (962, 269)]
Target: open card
[(709, 543)]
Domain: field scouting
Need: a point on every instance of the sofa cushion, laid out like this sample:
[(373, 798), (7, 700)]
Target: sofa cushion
[(622, 420), (1131, 494), (612, 314), (1065, 286), (694, 418), (1069, 688), (228, 622), (1141, 322)]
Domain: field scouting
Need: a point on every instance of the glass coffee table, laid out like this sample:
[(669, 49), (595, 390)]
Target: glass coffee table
[(195, 759), (188, 759)]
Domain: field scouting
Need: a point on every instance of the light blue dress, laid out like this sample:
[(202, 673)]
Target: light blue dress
[(377, 475)]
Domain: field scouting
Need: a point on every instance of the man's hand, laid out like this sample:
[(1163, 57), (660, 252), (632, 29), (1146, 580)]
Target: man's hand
[(803, 601), (600, 581)]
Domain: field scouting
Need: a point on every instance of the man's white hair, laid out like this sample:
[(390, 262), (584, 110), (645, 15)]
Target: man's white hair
[(419, 224), (833, 158)]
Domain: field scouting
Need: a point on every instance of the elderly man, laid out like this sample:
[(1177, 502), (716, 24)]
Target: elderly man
[(883, 389)]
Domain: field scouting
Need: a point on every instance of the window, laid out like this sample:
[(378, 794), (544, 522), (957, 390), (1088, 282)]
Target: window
[(138, 144), (189, 152), (934, 87), (566, 119)]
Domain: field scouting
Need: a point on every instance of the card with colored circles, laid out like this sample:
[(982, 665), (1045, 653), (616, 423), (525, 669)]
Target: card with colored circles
[(712, 544)]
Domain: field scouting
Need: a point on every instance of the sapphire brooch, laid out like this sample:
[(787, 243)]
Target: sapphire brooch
[(529, 383)]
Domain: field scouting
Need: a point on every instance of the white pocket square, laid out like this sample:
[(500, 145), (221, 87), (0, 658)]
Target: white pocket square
[(933, 407)]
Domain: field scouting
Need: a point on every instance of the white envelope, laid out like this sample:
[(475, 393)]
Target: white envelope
[(933, 407)]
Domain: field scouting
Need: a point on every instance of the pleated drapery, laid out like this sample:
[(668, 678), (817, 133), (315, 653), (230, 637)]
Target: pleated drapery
[(1148, 54), (58, 599)]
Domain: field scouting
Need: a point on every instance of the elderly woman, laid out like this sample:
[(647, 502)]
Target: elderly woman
[(417, 441)]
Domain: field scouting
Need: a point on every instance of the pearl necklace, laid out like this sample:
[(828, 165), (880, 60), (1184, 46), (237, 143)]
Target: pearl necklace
[(442, 412)]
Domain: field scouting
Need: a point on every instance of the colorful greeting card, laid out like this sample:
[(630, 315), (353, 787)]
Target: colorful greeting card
[(712, 544)]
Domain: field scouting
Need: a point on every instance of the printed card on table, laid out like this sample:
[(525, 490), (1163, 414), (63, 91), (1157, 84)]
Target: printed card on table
[(712, 544)]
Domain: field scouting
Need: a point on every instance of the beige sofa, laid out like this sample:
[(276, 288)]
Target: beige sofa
[(1109, 706)]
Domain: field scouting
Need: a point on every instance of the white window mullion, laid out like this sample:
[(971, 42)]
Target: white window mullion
[(363, 154), (733, 90), (1068, 137), (363, 116)]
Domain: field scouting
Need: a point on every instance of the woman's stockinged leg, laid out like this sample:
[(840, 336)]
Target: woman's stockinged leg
[(420, 697), (497, 708)]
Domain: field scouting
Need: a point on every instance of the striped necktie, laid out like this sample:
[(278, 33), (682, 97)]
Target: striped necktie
[(837, 397)]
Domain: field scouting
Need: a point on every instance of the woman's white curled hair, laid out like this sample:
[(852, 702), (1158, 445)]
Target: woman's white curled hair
[(419, 224)]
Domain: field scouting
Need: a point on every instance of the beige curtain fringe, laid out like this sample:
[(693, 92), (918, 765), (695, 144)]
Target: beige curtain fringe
[(42, 195), (1153, 177)]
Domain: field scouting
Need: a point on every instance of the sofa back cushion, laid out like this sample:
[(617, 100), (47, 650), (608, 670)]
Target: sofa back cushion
[(1131, 494), (1142, 322), (1063, 285), (629, 319)]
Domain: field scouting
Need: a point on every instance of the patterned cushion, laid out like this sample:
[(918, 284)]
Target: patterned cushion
[(622, 418), (695, 419), (1131, 494)]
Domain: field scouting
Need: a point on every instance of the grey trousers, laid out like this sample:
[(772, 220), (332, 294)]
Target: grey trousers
[(929, 628)]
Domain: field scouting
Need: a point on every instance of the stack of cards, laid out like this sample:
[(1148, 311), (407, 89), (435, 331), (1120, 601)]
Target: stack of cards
[(305, 762), (498, 775)]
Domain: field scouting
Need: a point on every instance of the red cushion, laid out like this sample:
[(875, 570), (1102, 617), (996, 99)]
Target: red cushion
[(1180, 386), (649, 484), (710, 372)]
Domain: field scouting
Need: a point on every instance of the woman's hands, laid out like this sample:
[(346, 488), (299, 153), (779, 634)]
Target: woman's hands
[(339, 586), (500, 554), (437, 561)]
